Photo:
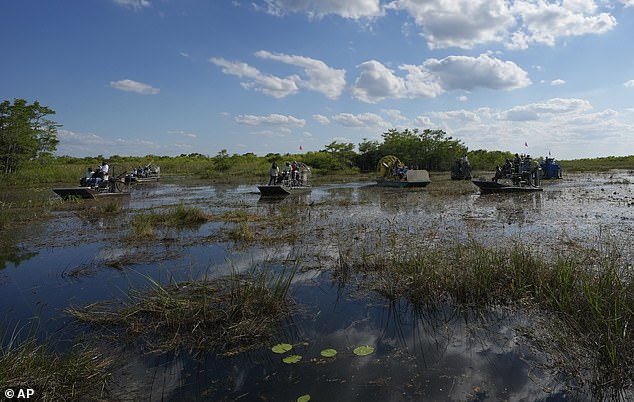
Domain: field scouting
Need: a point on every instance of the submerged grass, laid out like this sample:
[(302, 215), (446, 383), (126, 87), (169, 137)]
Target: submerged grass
[(590, 292), (144, 225), (82, 374), (227, 315)]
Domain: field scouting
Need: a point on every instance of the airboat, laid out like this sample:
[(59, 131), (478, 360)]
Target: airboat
[(109, 187), (290, 182), (520, 176), (391, 172)]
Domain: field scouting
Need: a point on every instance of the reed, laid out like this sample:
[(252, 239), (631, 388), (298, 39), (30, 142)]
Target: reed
[(589, 291), (226, 315), (27, 364)]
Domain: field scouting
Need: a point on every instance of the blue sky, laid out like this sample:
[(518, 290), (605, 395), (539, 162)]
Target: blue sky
[(166, 77)]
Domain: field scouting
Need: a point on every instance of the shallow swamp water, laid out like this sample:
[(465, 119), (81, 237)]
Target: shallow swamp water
[(78, 255)]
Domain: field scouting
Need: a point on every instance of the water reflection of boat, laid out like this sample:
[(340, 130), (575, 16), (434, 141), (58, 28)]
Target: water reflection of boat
[(490, 186), (92, 192), (392, 172)]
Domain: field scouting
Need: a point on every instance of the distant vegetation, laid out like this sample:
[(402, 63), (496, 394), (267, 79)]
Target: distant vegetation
[(28, 140)]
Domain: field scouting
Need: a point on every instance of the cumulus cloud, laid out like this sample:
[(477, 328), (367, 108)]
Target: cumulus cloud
[(266, 83), (351, 9), (363, 120), (555, 106), (630, 83), (484, 71), (518, 24), (321, 119), (134, 4), (377, 82), (274, 119), (544, 22), (459, 23), (134, 86), (557, 82), (318, 75)]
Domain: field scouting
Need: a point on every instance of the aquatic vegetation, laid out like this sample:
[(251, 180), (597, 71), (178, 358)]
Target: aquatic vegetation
[(292, 359), (363, 350), (328, 353), (282, 348), (589, 291), (54, 377), (225, 315)]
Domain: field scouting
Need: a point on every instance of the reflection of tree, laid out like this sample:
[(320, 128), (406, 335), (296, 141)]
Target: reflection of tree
[(13, 254)]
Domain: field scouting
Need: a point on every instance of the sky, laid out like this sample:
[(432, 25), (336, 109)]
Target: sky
[(171, 77)]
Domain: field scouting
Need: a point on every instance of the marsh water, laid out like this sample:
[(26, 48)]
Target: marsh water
[(78, 255)]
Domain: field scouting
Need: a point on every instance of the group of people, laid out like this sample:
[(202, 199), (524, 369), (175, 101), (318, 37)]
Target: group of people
[(94, 176), (291, 174), (521, 166)]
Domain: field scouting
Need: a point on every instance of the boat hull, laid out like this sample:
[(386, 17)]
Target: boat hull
[(402, 183), (280, 190), (488, 186), (86, 193)]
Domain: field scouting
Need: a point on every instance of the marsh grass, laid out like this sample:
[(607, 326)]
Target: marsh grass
[(589, 291), (226, 315), (54, 377), (145, 225)]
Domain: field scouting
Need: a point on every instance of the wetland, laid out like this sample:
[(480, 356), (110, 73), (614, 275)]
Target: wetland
[(196, 291)]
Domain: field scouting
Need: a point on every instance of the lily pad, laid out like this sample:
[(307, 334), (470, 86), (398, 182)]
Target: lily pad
[(281, 348), (292, 359), (304, 398), (363, 350), (328, 353)]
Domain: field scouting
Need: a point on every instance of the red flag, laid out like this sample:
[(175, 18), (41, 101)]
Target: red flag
[(301, 148)]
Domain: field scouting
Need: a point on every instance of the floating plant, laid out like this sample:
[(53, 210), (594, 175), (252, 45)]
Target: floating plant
[(292, 359), (328, 353), (304, 398), (281, 348), (363, 350)]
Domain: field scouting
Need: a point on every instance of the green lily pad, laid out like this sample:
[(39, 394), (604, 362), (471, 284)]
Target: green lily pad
[(304, 398), (281, 348), (363, 350), (292, 359), (328, 353)]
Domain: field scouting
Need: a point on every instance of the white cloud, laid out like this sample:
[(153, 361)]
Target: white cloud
[(630, 83), (321, 119), (484, 71), (134, 4), (557, 82), (518, 24), (459, 23), (270, 120), (265, 83), (627, 3), (320, 77), (377, 82), (535, 111), (134, 86), (351, 9), (182, 134), (362, 120)]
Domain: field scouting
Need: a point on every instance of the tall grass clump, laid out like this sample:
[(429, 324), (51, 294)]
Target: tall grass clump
[(225, 315), (588, 293), (54, 377)]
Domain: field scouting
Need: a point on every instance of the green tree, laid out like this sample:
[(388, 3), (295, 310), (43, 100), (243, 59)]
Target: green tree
[(25, 133), (343, 153)]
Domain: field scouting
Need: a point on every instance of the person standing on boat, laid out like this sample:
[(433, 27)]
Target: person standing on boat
[(274, 171)]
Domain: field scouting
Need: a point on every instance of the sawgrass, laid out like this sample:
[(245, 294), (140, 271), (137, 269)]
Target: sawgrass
[(589, 291), (227, 315)]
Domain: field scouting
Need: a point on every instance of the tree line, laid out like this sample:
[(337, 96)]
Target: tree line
[(27, 134)]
